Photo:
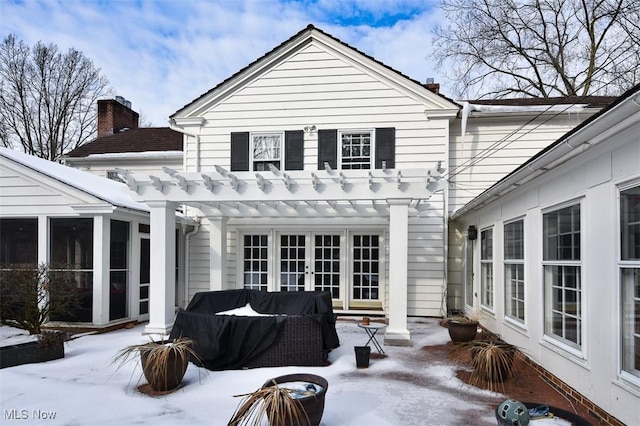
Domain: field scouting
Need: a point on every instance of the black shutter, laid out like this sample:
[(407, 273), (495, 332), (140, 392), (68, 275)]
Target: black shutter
[(294, 150), (386, 147), (239, 151), (327, 148)]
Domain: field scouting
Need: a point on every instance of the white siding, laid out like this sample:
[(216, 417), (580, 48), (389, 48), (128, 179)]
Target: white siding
[(591, 178), (494, 147), (100, 168), (21, 195)]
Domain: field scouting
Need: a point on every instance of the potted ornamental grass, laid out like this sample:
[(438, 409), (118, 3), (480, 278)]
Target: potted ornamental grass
[(164, 363), (290, 400)]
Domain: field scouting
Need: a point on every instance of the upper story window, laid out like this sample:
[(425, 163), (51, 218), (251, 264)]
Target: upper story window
[(266, 148), (113, 175), (356, 150), (255, 151)]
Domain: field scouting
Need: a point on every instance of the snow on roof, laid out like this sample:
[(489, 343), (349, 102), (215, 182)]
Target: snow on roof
[(108, 190), (527, 108)]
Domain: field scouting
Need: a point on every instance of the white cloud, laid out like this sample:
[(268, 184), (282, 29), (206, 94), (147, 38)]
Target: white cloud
[(162, 54)]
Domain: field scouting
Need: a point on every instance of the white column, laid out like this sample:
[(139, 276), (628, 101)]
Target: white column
[(101, 257), (217, 253), (163, 283), (397, 333)]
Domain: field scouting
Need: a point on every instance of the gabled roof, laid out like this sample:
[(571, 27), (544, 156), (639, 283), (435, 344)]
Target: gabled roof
[(143, 139), (310, 32), (112, 192)]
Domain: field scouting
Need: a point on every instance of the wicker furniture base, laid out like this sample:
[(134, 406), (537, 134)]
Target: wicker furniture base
[(299, 344)]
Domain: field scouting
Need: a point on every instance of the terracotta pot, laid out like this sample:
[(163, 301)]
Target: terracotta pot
[(462, 331)]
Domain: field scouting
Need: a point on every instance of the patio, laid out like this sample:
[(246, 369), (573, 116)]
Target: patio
[(410, 386)]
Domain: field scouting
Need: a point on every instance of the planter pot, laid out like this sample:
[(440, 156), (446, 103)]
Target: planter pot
[(312, 405), (573, 418), (165, 377), (31, 352), (462, 331), (362, 356)]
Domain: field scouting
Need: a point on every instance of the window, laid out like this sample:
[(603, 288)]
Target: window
[(514, 270), (486, 265), (72, 250), (562, 275), (256, 151), (113, 175), (266, 149), (18, 242), (255, 262), (356, 150), (630, 279), (366, 266)]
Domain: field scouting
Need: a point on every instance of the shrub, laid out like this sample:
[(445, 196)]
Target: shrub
[(30, 294)]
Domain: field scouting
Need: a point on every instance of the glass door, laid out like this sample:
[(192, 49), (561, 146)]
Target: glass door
[(145, 275), (309, 261)]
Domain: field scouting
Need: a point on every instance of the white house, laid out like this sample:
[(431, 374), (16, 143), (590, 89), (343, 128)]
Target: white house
[(553, 258), (318, 167)]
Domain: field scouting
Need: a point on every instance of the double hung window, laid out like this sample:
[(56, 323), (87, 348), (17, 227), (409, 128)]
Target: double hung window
[(266, 148), (562, 275), (356, 150), (630, 279), (486, 265), (514, 270)]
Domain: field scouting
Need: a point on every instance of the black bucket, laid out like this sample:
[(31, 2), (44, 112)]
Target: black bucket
[(362, 356)]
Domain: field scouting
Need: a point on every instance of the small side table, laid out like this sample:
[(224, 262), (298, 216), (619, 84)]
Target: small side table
[(372, 329)]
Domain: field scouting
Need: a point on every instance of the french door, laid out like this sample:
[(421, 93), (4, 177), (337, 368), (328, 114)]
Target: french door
[(309, 261)]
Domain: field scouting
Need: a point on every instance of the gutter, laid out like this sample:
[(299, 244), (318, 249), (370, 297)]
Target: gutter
[(588, 134), (187, 246)]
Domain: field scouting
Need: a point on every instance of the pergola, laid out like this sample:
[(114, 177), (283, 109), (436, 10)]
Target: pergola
[(220, 194)]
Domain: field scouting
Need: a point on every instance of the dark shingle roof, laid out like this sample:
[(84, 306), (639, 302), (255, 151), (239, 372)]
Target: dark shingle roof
[(133, 140), (592, 101)]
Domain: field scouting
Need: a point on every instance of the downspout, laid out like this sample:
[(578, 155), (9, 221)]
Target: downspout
[(187, 246), (173, 126)]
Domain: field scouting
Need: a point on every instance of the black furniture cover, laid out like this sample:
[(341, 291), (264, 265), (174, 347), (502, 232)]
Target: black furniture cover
[(226, 342)]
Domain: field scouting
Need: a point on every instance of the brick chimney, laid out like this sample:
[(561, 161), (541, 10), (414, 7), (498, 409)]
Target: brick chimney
[(115, 115), (434, 87)]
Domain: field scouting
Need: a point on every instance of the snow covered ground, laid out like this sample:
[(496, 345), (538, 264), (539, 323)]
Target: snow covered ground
[(85, 389)]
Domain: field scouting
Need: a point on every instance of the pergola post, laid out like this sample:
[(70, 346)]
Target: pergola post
[(217, 252), (163, 284), (397, 333)]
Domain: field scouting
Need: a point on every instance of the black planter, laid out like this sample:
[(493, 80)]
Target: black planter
[(312, 405), (461, 331), (31, 352), (362, 356)]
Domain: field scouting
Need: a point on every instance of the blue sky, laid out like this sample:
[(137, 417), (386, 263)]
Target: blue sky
[(161, 54)]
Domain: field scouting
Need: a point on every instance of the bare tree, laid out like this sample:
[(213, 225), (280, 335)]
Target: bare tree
[(47, 98), (540, 48)]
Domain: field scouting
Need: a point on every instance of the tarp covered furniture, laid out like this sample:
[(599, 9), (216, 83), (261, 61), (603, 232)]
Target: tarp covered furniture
[(300, 331)]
